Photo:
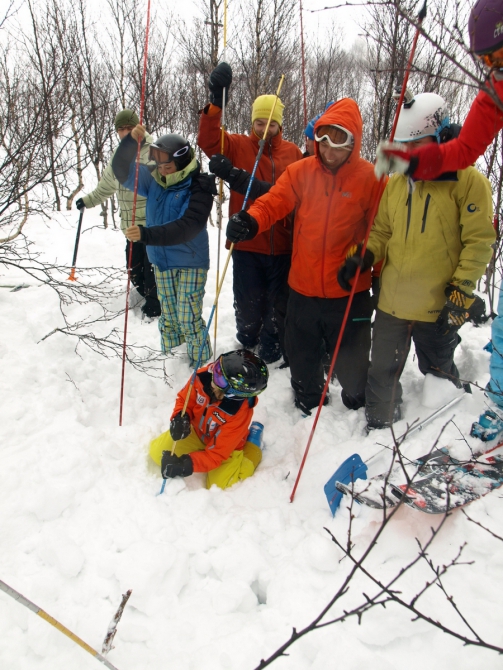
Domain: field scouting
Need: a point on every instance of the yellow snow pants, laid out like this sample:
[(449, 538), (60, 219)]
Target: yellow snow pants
[(240, 465)]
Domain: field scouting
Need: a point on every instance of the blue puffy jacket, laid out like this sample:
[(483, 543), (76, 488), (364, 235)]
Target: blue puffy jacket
[(175, 232)]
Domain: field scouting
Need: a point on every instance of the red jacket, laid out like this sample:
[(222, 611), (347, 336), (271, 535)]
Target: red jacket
[(483, 123), (331, 210), (242, 151), (221, 425)]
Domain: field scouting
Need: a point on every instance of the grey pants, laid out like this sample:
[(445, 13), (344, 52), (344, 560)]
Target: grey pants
[(391, 343)]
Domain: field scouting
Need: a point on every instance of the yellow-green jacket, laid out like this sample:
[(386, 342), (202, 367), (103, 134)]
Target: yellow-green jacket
[(440, 234), (108, 185)]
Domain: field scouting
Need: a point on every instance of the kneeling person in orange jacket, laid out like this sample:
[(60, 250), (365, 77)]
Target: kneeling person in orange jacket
[(212, 435)]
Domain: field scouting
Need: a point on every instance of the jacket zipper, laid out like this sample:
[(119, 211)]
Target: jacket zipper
[(409, 211), (273, 181), (330, 197), (425, 213)]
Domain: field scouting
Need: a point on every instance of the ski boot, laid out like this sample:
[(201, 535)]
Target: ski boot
[(489, 426)]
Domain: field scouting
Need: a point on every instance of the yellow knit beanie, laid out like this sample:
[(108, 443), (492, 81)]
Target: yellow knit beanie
[(262, 106)]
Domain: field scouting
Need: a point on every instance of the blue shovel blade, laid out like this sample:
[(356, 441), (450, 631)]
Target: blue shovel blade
[(353, 468)]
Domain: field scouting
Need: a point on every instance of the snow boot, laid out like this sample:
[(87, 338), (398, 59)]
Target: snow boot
[(489, 426)]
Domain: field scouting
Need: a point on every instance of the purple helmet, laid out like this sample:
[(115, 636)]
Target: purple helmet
[(485, 26)]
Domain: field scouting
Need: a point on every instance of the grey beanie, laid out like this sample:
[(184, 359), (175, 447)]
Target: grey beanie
[(126, 118)]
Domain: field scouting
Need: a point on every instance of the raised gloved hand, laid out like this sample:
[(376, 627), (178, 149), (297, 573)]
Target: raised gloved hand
[(455, 311), (221, 166), (241, 227), (391, 157), (351, 264), (79, 204), (423, 164), (179, 427), (176, 466), (220, 79)]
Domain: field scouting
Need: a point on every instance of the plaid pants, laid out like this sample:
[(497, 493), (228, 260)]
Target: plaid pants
[(181, 293)]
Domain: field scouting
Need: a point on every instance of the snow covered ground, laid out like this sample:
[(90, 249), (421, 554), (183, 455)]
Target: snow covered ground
[(219, 578)]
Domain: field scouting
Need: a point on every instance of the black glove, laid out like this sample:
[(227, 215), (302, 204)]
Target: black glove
[(241, 227), (221, 166), (455, 310), (79, 204), (180, 426), (176, 466), (220, 78), (351, 264), (477, 312)]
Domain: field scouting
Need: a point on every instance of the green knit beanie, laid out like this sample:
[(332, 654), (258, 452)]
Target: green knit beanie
[(126, 118)]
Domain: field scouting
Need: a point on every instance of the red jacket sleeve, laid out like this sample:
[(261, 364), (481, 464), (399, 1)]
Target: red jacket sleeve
[(481, 126), (209, 136)]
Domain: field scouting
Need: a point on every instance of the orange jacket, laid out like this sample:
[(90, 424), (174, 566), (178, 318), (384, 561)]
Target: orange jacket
[(242, 151), (331, 210), (221, 425)]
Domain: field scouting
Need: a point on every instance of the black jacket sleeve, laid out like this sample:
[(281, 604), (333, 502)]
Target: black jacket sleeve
[(192, 222), (238, 181), (123, 157)]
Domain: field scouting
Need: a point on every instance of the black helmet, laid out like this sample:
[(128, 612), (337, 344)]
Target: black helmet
[(175, 146), (246, 373)]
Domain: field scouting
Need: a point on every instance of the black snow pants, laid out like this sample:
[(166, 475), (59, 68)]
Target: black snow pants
[(258, 280), (312, 328), (391, 343), (143, 278)]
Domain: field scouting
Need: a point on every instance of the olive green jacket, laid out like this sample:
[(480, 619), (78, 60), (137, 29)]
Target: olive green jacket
[(108, 185), (440, 234)]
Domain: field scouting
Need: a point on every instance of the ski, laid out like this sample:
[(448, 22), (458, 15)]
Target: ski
[(456, 486), (376, 492)]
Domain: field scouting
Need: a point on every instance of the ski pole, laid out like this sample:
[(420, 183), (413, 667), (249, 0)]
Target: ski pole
[(373, 212), (47, 617), (422, 424), (229, 256), (72, 276), (303, 60), (135, 196), (221, 183)]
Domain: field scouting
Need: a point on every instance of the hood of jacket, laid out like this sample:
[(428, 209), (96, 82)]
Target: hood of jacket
[(346, 113)]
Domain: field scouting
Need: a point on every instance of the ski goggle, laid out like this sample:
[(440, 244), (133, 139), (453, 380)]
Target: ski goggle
[(218, 377), (336, 136), (162, 157), (493, 59)]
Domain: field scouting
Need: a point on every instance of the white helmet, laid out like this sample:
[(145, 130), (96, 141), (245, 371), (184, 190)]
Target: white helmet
[(426, 115)]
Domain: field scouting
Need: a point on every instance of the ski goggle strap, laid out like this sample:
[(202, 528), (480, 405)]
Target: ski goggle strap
[(493, 59), (337, 137), (161, 157)]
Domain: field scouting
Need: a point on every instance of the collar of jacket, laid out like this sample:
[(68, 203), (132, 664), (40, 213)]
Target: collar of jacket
[(176, 177), (274, 141), (341, 171), (445, 176)]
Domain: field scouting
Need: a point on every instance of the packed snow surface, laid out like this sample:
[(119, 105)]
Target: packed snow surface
[(218, 578)]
